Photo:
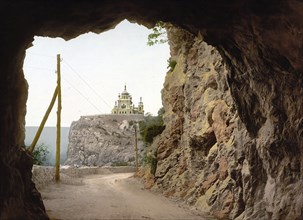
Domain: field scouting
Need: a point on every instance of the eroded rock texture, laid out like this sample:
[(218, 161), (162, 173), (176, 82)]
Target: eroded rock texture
[(208, 156), (261, 42), (103, 140), (196, 152)]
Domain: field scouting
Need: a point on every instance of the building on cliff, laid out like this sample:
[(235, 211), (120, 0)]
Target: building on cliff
[(125, 106)]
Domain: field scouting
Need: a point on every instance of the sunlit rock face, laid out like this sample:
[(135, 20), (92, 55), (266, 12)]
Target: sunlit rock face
[(197, 151), (261, 44), (103, 140), (206, 155)]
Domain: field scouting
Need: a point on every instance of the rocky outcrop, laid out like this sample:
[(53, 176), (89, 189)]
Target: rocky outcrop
[(261, 43), (207, 156), (103, 140)]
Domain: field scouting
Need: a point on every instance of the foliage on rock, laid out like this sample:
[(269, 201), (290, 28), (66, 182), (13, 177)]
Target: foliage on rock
[(152, 126), (171, 64), (159, 36)]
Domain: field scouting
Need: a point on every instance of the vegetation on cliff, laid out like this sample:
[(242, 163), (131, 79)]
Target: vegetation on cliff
[(151, 127), (159, 36)]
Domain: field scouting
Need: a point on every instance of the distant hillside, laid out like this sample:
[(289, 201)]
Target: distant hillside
[(48, 137)]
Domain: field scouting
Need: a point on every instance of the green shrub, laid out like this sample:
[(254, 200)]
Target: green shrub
[(152, 131), (150, 159), (171, 64), (151, 127), (40, 154)]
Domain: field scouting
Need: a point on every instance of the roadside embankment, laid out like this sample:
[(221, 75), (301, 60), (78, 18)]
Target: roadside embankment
[(44, 175)]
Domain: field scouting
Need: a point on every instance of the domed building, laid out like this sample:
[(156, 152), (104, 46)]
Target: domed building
[(125, 106)]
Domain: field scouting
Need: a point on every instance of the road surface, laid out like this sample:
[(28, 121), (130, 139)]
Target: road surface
[(111, 196)]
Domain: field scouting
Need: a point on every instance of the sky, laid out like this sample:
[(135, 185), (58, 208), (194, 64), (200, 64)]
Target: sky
[(94, 70)]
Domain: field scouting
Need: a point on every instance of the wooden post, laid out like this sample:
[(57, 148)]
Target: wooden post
[(57, 170), (136, 147), (32, 147)]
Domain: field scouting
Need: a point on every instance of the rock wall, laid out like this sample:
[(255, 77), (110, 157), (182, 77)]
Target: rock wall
[(206, 156), (103, 140)]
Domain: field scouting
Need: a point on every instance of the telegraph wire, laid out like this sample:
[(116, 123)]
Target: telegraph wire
[(92, 104), (52, 70), (80, 77), (70, 67), (94, 91)]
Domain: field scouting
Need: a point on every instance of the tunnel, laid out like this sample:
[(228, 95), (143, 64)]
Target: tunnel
[(260, 41)]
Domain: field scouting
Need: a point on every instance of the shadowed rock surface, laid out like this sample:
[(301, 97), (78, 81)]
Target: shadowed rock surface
[(261, 43)]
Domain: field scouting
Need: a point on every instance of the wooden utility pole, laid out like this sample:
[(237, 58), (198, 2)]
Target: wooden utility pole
[(32, 147), (57, 170), (136, 147)]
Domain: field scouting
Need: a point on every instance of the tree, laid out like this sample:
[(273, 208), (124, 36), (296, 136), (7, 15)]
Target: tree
[(158, 36)]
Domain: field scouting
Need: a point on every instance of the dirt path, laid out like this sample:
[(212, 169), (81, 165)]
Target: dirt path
[(113, 196)]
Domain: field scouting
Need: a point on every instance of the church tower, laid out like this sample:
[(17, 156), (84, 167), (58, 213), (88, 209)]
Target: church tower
[(125, 106), (140, 107)]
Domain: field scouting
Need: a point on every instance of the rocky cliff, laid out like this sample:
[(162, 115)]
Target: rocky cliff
[(103, 140), (206, 156)]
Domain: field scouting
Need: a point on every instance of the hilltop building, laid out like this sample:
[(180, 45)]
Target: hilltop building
[(124, 105)]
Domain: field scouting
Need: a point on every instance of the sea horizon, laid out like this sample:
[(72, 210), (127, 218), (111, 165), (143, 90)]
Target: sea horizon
[(48, 138)]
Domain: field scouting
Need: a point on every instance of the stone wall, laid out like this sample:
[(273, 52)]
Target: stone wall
[(103, 140)]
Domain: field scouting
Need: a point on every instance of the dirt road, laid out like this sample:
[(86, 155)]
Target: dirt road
[(113, 196)]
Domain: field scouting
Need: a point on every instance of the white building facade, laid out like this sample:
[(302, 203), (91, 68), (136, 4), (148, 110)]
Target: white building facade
[(124, 105)]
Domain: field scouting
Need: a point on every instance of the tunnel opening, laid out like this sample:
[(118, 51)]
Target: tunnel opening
[(94, 70)]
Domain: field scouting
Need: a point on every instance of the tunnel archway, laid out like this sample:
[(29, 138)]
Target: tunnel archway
[(261, 41)]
